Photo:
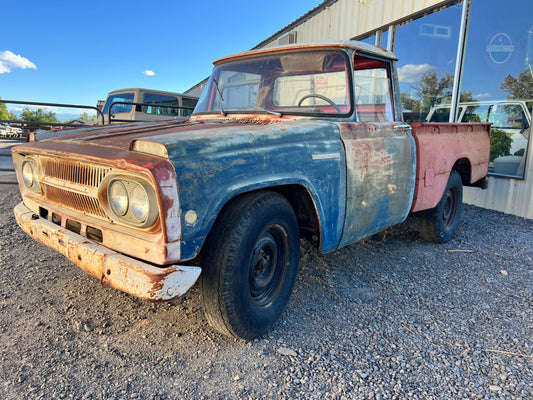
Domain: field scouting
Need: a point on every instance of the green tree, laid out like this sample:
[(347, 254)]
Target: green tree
[(500, 143), (432, 89), (38, 115), (519, 88), (4, 114), (410, 103), (85, 116)]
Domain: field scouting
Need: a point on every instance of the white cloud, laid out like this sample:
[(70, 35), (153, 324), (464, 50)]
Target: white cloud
[(482, 95), (413, 72), (8, 61), (149, 73)]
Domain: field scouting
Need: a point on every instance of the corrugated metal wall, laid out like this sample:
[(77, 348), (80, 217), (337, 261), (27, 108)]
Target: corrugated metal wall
[(346, 19)]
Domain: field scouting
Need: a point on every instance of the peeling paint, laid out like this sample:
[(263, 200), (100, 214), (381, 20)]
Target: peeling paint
[(113, 269)]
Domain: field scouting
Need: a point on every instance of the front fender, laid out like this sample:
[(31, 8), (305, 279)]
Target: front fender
[(207, 183)]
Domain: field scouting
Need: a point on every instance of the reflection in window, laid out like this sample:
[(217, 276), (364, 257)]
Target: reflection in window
[(498, 72), (299, 83), (119, 98), (161, 105), (372, 95), (189, 104), (310, 90), (370, 40), (427, 48)]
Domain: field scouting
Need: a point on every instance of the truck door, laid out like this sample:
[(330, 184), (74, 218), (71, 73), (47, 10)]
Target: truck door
[(380, 156)]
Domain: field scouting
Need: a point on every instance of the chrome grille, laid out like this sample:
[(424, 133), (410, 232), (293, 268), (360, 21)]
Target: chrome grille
[(69, 177), (74, 171), (76, 201)]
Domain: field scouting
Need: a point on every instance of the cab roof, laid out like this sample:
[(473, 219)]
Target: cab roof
[(361, 47)]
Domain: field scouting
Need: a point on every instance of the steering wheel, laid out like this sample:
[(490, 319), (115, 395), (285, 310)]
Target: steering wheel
[(326, 99)]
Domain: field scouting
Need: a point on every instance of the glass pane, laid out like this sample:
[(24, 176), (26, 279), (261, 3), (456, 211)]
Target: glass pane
[(384, 39), (122, 97), (158, 101), (190, 103), (498, 75), (370, 40), (298, 83), (305, 90), (427, 49), (372, 95)]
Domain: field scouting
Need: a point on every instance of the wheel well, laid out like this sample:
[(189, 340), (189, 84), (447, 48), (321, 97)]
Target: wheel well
[(304, 209), (465, 170), (302, 204)]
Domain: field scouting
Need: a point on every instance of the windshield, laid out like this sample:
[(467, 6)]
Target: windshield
[(299, 82)]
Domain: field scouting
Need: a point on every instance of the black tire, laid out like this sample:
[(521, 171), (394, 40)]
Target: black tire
[(439, 224), (249, 265)]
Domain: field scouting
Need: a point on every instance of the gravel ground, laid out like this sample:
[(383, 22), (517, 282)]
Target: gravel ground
[(391, 317)]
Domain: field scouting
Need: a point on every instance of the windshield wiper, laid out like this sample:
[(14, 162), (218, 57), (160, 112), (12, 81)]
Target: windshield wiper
[(259, 108), (221, 97)]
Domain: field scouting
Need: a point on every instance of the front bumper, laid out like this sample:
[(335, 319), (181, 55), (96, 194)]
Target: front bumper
[(114, 269)]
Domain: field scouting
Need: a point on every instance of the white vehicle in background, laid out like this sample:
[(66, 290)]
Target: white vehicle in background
[(7, 131), (137, 104), (511, 116)]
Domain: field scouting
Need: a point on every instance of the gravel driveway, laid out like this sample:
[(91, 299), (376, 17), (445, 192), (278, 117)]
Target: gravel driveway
[(391, 317)]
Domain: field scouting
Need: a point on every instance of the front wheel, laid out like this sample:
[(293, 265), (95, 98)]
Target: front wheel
[(439, 224), (249, 265)]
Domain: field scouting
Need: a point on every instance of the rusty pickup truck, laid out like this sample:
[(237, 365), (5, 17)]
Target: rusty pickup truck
[(286, 142)]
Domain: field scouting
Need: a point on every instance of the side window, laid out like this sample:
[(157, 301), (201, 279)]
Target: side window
[(162, 105), (373, 95), (190, 104), (117, 108)]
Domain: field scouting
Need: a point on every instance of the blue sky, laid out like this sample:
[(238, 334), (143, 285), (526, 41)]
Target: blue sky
[(77, 51)]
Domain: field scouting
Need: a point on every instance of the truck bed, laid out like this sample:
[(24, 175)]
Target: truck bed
[(441, 147)]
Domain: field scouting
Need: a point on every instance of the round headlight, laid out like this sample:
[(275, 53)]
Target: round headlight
[(27, 174), (118, 198), (139, 203)]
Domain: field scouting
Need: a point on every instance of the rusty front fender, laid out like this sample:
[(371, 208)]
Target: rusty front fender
[(127, 274)]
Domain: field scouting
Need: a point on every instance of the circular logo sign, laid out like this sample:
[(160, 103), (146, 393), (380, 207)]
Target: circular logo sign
[(500, 48)]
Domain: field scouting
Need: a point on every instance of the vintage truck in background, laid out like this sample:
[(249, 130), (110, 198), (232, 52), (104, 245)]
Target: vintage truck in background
[(287, 142), (139, 104)]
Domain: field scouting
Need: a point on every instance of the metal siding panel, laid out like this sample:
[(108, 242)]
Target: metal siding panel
[(349, 18), (350, 26), (339, 21), (511, 196)]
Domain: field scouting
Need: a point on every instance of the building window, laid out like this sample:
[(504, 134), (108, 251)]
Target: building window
[(498, 73), (427, 49)]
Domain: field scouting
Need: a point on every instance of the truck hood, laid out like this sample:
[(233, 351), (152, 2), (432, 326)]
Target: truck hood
[(182, 139)]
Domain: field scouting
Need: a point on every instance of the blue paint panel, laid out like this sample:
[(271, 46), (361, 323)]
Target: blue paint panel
[(218, 162), (380, 162)]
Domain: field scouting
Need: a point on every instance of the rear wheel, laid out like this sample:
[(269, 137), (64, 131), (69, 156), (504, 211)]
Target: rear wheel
[(439, 224), (249, 265)]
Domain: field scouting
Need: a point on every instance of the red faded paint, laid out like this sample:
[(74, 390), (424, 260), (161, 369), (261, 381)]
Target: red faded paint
[(438, 148)]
